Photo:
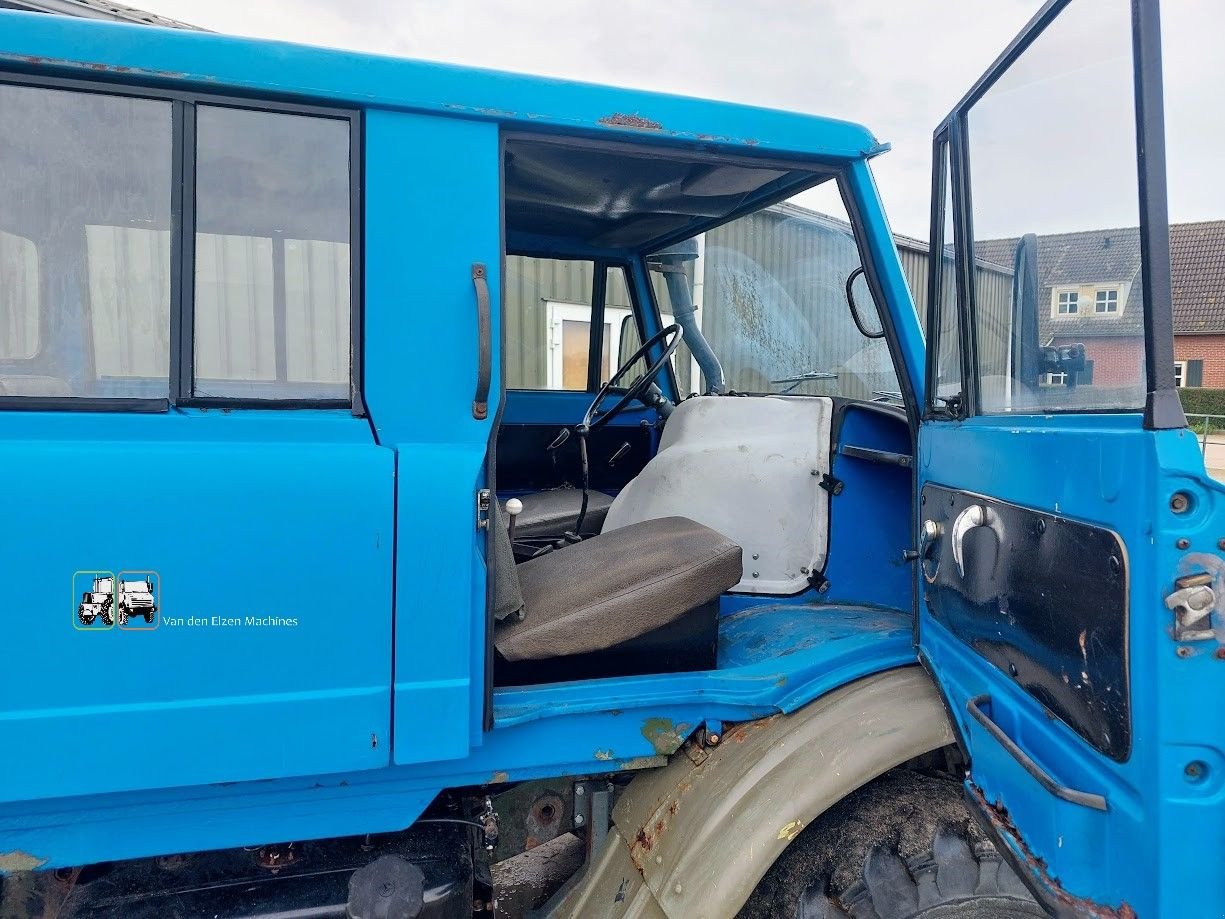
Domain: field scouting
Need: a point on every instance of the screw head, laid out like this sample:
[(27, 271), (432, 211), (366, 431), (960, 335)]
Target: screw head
[(578, 820), (713, 739), (1179, 502), (1183, 651), (756, 573), (1183, 543), (1194, 771), (1220, 543), (580, 790)]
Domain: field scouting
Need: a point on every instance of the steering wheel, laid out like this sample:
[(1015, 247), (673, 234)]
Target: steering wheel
[(594, 418)]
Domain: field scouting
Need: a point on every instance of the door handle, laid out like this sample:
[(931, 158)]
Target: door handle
[(484, 344), (1043, 778), (976, 515)]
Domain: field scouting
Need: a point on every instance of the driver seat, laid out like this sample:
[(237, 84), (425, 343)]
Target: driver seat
[(641, 599)]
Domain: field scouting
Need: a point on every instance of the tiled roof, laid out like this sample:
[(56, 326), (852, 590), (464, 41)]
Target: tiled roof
[(1197, 254), (1197, 267)]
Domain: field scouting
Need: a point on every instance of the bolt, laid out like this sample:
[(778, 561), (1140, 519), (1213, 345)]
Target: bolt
[(1220, 543), (1183, 651), (1194, 771), (1179, 502), (756, 574), (713, 739), (756, 556), (580, 790), (1220, 654), (578, 820), (1183, 543)]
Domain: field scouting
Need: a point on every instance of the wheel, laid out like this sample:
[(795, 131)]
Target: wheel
[(123, 616), (902, 847), (149, 617), (108, 618), (86, 618)]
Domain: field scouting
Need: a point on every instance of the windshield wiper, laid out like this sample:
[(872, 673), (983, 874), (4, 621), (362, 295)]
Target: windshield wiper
[(808, 376)]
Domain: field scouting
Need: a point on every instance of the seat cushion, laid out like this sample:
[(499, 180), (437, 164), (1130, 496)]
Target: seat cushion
[(554, 512), (616, 587)]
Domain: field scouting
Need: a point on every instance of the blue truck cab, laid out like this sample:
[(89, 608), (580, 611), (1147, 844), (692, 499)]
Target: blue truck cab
[(547, 498)]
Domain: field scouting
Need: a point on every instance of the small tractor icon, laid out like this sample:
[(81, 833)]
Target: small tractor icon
[(98, 603), (136, 599)]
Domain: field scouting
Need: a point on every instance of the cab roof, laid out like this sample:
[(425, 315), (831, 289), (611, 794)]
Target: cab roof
[(203, 62)]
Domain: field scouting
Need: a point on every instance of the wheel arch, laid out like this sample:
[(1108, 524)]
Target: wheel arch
[(701, 832)]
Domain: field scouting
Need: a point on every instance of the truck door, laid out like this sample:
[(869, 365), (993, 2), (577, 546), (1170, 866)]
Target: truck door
[(1070, 542)]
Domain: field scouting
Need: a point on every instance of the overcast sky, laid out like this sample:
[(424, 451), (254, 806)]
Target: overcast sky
[(898, 66), (1062, 147)]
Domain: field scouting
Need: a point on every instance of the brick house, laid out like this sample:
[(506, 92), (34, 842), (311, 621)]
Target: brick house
[(1090, 293)]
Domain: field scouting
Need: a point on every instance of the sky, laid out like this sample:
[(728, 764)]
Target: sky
[(897, 66)]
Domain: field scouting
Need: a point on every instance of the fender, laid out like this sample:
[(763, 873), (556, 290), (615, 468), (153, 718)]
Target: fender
[(694, 838)]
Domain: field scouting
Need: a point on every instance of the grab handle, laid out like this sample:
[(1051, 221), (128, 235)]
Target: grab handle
[(484, 344), (1083, 798)]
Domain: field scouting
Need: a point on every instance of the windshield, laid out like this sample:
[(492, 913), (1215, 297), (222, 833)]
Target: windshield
[(770, 296)]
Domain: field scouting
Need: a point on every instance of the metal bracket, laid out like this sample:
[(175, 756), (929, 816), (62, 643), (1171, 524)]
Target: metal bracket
[(831, 483), (1192, 603), (483, 500)]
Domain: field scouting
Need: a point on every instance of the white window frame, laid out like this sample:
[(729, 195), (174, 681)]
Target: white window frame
[(1055, 379), (1097, 301), (558, 312), (1180, 374), (1072, 304)]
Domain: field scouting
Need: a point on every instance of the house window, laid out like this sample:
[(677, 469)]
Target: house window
[(1054, 379), (1189, 373), (1069, 303), (1106, 301), (1180, 374)]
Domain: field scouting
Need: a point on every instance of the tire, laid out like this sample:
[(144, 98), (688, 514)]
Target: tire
[(902, 847), (123, 616), (149, 617)]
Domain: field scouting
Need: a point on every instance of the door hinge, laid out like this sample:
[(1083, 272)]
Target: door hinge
[(483, 499), (1192, 603)]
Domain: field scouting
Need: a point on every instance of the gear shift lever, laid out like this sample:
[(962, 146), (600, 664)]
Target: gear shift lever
[(514, 507)]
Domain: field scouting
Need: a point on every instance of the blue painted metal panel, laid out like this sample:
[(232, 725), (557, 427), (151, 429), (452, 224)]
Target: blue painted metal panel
[(209, 62), (432, 210), (1104, 470), (776, 658), (279, 525)]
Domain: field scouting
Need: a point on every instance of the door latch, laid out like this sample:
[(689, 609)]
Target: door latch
[(483, 499), (1192, 603)]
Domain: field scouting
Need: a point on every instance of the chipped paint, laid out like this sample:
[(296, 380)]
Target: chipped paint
[(636, 121), (603, 755), (664, 735), (1037, 869), (95, 66), (791, 830), (17, 861), (499, 778)]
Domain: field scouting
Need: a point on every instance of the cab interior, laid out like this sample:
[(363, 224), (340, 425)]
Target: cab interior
[(741, 492)]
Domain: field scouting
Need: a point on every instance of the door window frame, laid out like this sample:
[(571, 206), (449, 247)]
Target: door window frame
[(1162, 409), (182, 250)]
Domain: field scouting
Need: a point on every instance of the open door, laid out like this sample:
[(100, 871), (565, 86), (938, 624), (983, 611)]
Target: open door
[(1070, 566)]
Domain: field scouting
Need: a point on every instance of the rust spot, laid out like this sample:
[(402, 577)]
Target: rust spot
[(36, 61), (603, 754), (1078, 906), (636, 121), (16, 861), (673, 808), (665, 736)]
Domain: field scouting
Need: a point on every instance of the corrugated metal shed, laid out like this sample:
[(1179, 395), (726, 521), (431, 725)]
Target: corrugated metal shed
[(97, 9)]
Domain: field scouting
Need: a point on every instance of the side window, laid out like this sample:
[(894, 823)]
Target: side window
[(946, 388), (549, 322), (1058, 292), (272, 303), (84, 244)]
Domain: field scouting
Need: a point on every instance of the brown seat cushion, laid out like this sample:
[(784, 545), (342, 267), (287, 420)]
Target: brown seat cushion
[(616, 587)]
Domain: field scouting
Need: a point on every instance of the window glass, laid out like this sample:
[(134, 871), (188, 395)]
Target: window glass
[(1052, 155), (770, 292), (948, 336), (84, 244), (548, 322), (272, 306)]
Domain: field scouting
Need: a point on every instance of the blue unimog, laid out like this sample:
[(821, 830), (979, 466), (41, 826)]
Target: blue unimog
[(558, 507)]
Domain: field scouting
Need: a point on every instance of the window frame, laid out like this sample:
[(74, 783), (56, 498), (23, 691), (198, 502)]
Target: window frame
[(1099, 301), (1072, 303), (182, 250), (1180, 374)]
